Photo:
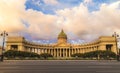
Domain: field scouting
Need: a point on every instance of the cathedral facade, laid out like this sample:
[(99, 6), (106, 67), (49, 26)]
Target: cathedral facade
[(62, 48)]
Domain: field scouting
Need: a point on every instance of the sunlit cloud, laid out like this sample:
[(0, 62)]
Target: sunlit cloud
[(77, 21)]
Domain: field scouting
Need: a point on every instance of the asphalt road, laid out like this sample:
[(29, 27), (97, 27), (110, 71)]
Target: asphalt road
[(37, 66)]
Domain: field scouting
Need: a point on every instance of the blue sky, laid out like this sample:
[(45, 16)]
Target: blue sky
[(50, 9), (41, 20), (40, 5)]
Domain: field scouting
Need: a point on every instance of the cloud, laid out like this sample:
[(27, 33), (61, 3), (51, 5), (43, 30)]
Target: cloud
[(41, 25), (10, 15), (78, 22), (87, 1), (90, 25), (51, 2), (15, 19)]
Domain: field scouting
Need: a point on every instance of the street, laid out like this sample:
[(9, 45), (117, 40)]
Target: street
[(59, 66)]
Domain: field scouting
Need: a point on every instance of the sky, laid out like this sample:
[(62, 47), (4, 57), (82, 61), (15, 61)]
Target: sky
[(42, 20)]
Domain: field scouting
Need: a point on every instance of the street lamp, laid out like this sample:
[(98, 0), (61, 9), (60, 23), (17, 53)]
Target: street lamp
[(116, 35), (4, 34)]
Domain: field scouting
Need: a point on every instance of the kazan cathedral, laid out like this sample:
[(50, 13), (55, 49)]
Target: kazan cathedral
[(62, 48)]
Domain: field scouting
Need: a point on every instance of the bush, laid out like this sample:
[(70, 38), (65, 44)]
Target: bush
[(77, 55), (45, 55), (100, 53), (20, 54), (95, 54), (108, 54)]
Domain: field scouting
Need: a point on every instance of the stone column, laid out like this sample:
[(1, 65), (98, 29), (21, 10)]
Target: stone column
[(46, 50), (87, 49), (60, 52), (63, 52), (72, 50), (78, 50), (29, 49), (35, 50), (32, 49), (83, 50), (42, 50), (66, 53), (52, 52), (21, 48), (96, 48), (114, 48), (55, 52), (75, 50), (8, 47), (90, 49), (69, 52), (38, 50), (93, 48)]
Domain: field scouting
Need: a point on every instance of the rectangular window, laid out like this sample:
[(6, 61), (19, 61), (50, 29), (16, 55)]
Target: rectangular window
[(14, 47), (109, 47)]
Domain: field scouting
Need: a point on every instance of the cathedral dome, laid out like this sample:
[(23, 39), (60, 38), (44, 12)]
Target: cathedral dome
[(62, 35)]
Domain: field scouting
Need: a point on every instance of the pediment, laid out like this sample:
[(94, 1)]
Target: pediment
[(63, 44)]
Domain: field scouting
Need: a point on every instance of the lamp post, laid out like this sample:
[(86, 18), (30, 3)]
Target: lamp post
[(4, 34), (116, 35)]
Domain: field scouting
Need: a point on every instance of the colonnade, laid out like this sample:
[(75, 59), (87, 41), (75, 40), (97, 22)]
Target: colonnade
[(61, 51)]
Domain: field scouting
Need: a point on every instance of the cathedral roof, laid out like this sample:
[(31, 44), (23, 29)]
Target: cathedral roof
[(62, 35)]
